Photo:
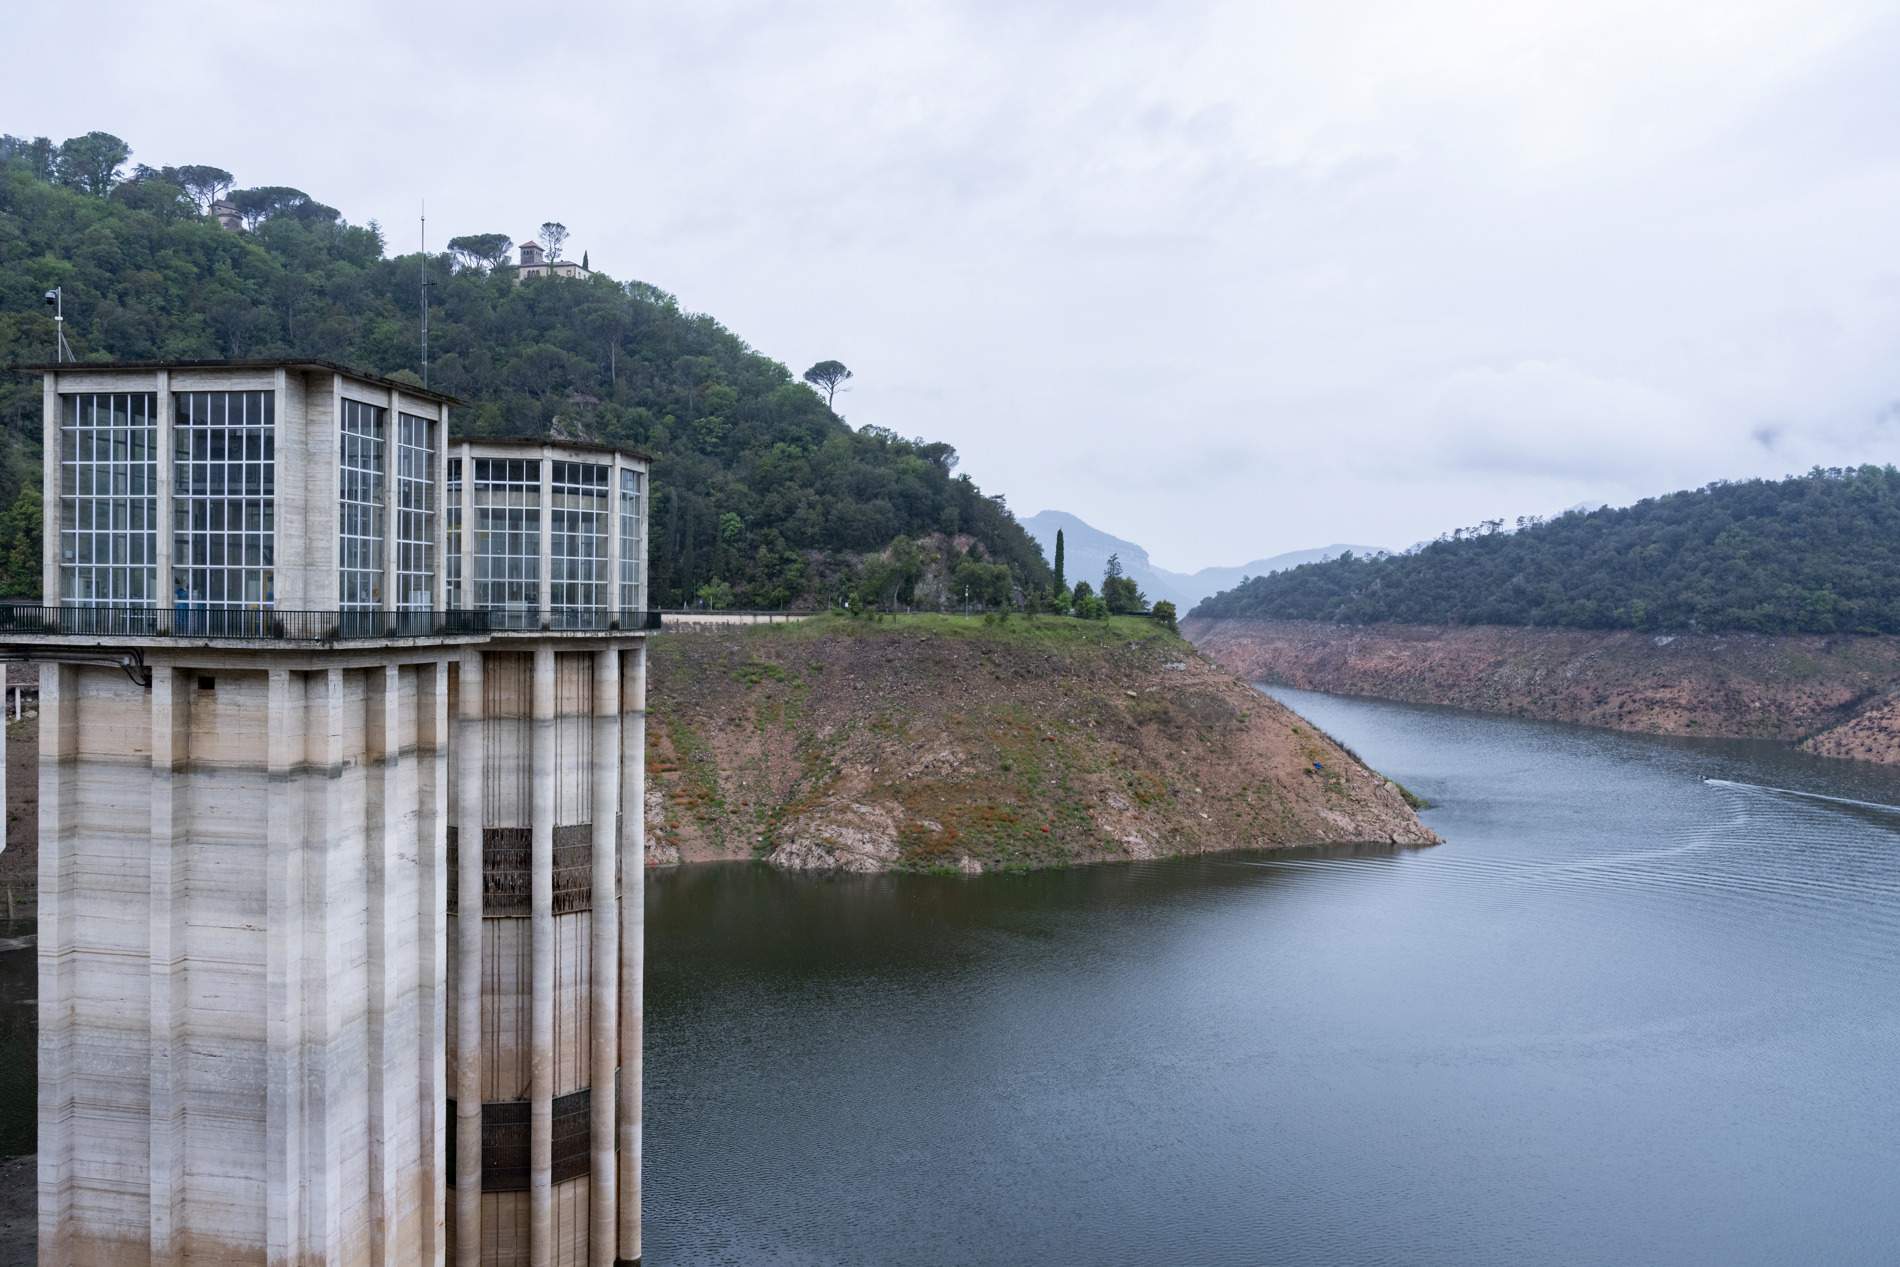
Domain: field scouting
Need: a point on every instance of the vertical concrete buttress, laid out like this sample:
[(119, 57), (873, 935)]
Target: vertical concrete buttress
[(541, 959), (284, 907), (432, 747), (603, 1225), (166, 863), (59, 731), (383, 829), (326, 984), (468, 962), (633, 836)]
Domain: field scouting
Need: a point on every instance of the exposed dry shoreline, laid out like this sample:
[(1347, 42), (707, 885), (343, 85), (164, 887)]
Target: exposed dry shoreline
[(1835, 696), (944, 743)]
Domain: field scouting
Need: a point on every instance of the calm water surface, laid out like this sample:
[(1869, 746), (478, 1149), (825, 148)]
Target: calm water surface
[(1624, 1016)]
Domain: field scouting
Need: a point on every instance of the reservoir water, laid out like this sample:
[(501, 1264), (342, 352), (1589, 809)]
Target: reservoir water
[(1623, 1016)]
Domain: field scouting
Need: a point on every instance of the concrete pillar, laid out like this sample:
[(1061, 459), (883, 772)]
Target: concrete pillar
[(432, 837), (329, 1074), (468, 960), (59, 734), (170, 705), (604, 1231), (284, 965), (541, 957), (633, 833), (382, 877)]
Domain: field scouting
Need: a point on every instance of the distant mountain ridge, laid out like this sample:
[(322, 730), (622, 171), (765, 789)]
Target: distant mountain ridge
[(1810, 554), (1086, 549)]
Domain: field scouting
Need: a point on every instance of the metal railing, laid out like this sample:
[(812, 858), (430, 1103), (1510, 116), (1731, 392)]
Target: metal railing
[(707, 617), (276, 625), (523, 619), (250, 623)]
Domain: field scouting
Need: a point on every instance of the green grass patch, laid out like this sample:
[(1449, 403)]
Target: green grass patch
[(698, 789), (753, 672)]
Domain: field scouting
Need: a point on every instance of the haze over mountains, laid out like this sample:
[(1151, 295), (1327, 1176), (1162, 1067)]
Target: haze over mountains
[(1087, 549)]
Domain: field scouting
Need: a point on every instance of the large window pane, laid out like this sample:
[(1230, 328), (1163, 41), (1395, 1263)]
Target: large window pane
[(360, 508), (415, 512), (108, 481), (507, 497), (453, 568), (577, 547), (222, 443)]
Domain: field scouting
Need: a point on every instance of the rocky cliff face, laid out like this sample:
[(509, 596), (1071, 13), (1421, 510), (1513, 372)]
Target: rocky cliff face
[(945, 743), (1838, 696)]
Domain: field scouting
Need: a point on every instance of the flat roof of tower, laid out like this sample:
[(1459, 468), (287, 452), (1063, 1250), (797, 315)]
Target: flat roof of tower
[(288, 363), (536, 442)]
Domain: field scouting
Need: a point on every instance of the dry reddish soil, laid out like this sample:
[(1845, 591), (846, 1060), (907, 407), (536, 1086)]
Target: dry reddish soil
[(1837, 696), (944, 743)]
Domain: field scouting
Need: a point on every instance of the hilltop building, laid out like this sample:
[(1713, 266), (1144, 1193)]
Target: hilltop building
[(341, 827), (225, 212), (535, 263)]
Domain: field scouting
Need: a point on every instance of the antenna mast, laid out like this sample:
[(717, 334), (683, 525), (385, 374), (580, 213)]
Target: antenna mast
[(425, 293)]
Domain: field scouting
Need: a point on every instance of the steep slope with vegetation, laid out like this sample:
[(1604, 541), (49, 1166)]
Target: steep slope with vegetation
[(1811, 554), (963, 743), (761, 491)]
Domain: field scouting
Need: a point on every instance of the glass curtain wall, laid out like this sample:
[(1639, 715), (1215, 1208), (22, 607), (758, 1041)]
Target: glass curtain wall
[(507, 496), (415, 514), (108, 505), (452, 580), (223, 509), (577, 546), (360, 520)]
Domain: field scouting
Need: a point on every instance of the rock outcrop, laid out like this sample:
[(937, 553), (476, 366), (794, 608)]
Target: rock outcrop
[(945, 743)]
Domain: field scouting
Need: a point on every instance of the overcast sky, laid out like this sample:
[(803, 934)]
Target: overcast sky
[(1225, 279)]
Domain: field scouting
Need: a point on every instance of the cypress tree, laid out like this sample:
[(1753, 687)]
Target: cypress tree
[(1058, 558)]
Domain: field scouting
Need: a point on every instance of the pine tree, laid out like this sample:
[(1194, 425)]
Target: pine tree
[(1059, 581), (584, 262)]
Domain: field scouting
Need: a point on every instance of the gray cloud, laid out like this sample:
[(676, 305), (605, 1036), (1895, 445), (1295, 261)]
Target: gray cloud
[(1227, 278)]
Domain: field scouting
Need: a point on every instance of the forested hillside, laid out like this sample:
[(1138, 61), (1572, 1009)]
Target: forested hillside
[(1816, 553), (760, 490)]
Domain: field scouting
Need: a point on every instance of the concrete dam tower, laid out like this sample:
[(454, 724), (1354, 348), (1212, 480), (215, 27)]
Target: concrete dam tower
[(341, 827)]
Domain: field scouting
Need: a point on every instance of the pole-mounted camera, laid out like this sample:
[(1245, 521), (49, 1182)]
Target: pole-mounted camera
[(55, 299)]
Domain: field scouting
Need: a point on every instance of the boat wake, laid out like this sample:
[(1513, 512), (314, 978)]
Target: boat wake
[(1812, 796)]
